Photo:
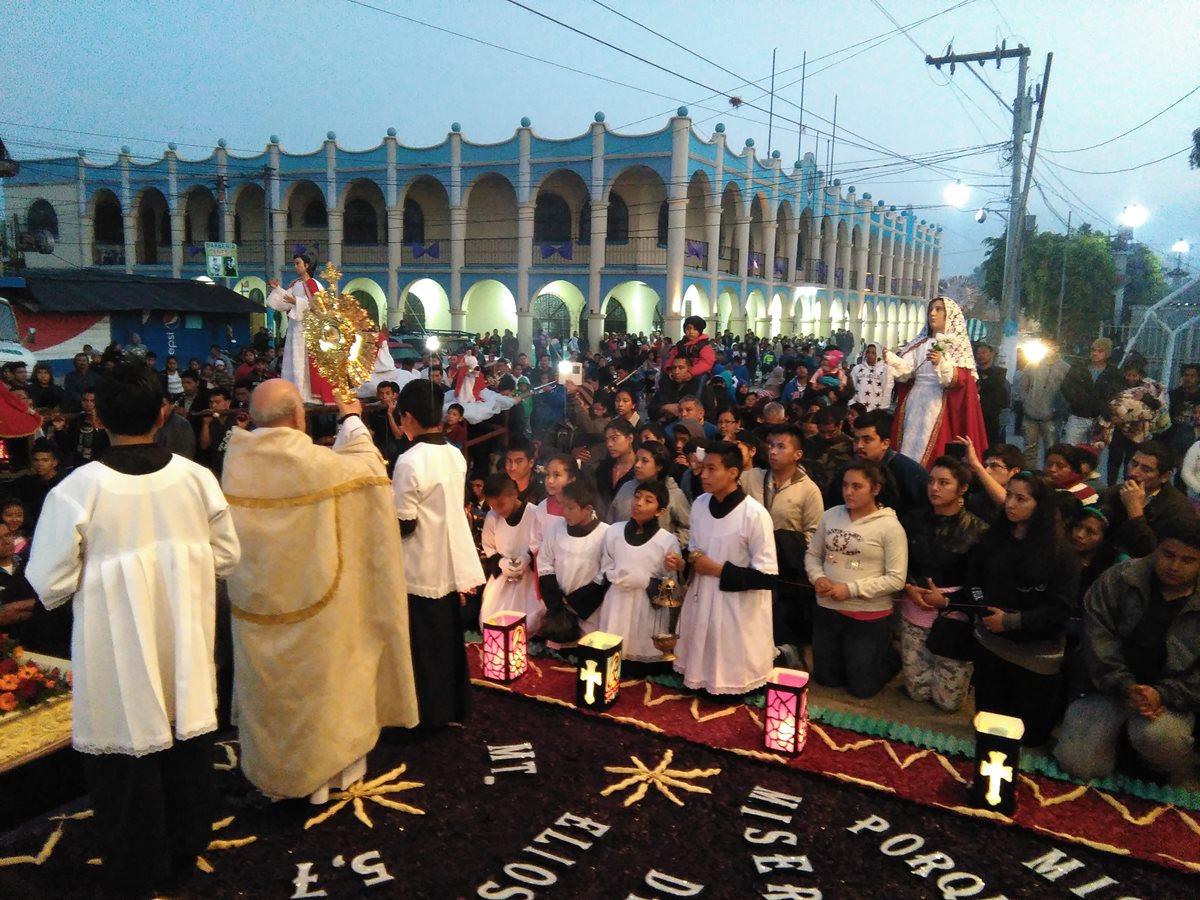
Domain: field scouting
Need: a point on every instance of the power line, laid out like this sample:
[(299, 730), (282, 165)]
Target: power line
[(1152, 162), (1133, 129)]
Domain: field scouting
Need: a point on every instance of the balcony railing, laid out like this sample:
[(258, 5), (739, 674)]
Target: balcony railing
[(918, 288), (365, 254), (839, 277), (729, 260), (640, 251), (250, 251), (497, 251), (822, 271), (781, 267), (754, 264), (431, 253), (108, 254), (158, 255), (881, 284), (695, 254), (561, 253), (854, 280)]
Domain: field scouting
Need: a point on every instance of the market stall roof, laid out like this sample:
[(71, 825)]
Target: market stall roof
[(92, 290)]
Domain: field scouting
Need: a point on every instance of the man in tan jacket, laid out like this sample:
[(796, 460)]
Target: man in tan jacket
[(320, 618)]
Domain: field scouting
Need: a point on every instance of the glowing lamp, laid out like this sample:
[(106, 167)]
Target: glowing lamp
[(599, 677), (505, 654), (564, 367), (786, 729), (432, 343), (997, 762), (957, 194), (1035, 351)]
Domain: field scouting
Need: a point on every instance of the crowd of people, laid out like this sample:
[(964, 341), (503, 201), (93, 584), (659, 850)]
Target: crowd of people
[(857, 514)]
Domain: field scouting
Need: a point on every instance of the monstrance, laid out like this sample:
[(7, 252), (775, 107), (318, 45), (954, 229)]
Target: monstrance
[(340, 337)]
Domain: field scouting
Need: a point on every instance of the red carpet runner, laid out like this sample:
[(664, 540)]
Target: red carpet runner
[(1126, 826)]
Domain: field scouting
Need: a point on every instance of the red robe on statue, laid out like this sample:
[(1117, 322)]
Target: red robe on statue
[(960, 415), (320, 388)]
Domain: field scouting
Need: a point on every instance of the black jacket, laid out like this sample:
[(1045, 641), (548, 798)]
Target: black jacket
[(1088, 398), (1139, 537)]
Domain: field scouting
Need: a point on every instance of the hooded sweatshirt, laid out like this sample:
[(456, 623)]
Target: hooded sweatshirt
[(870, 555)]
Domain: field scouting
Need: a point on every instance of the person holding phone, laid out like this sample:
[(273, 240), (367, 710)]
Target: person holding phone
[(1025, 576)]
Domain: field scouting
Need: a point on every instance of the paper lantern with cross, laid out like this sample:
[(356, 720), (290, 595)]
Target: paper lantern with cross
[(997, 761), (786, 727), (599, 676), (505, 654)]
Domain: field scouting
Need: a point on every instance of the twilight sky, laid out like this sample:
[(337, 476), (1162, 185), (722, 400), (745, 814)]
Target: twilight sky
[(146, 72)]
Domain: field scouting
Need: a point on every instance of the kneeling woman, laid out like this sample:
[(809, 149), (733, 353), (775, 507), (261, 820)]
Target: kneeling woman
[(856, 561), (1025, 576)]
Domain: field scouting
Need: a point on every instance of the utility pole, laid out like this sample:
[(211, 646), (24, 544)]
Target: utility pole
[(800, 133), (1062, 285), (1016, 210)]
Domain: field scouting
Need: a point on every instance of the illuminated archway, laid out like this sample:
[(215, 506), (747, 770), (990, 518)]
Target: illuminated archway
[(370, 296), (487, 305), (422, 304)]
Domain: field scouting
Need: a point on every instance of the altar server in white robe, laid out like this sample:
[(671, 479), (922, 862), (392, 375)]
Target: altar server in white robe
[(635, 553), (725, 644), (568, 565), (507, 559), (428, 487), (138, 540)]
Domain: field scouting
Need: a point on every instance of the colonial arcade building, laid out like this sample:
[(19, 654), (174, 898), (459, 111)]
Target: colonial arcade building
[(595, 233)]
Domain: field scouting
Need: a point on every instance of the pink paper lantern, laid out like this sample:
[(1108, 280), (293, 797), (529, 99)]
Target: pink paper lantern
[(505, 654), (786, 729)]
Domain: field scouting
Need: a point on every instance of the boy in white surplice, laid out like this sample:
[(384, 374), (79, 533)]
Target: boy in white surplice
[(725, 644), (138, 540), (568, 565), (507, 560)]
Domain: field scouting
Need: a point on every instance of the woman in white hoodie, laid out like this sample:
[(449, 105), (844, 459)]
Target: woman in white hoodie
[(856, 561)]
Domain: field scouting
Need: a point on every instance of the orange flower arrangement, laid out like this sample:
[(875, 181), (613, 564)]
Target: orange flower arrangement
[(27, 684)]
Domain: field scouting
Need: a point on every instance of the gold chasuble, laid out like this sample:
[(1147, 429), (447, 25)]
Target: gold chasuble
[(320, 608)]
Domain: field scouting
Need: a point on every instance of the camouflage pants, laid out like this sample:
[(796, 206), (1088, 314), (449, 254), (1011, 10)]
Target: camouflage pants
[(928, 676)]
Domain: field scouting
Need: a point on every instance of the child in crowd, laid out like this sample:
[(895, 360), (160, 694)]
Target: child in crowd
[(634, 554), (1065, 472), (506, 535), (12, 513), (856, 561), (690, 482), (456, 426), (725, 642), (653, 464), (568, 565), (477, 507), (561, 470)]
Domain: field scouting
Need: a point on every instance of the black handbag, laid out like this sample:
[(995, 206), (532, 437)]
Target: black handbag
[(951, 637)]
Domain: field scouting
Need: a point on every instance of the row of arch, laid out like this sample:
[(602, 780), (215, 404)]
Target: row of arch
[(825, 248), (560, 309)]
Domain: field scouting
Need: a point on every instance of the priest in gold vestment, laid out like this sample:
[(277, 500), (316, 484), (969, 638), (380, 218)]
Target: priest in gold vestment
[(319, 603)]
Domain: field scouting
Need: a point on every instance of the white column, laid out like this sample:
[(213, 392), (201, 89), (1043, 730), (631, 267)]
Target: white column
[(829, 255), (712, 236), (395, 220), (458, 243), (860, 265), (595, 321), (128, 213), (676, 223), (524, 264), (336, 218), (177, 226), (873, 265), (768, 239), (742, 236)]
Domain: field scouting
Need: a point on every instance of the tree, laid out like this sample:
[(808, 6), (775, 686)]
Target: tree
[(1091, 280), (1144, 280), (1194, 156)]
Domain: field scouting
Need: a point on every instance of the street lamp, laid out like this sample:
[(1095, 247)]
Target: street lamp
[(1134, 216), (957, 194), (1180, 248)]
